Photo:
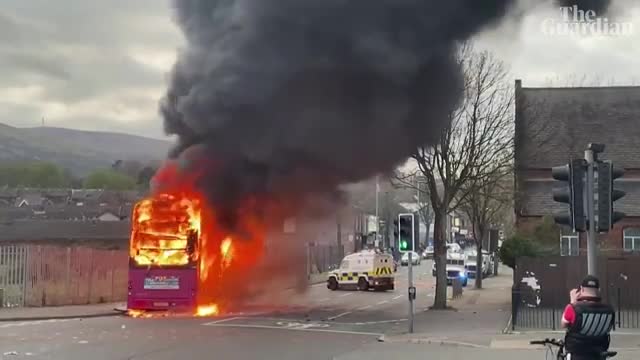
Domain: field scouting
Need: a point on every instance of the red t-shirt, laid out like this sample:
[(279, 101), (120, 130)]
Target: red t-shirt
[(569, 314)]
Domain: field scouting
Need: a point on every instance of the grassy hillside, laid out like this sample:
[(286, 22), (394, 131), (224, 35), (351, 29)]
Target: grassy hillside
[(78, 151)]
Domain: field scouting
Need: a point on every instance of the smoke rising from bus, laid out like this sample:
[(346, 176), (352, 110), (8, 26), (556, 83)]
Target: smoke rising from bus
[(275, 101)]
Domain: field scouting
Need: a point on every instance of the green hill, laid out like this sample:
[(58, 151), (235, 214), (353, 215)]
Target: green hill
[(76, 150)]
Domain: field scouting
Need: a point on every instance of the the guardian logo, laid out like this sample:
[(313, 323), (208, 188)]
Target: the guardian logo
[(577, 22)]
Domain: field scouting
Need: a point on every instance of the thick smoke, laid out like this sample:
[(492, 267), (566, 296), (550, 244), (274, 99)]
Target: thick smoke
[(292, 97)]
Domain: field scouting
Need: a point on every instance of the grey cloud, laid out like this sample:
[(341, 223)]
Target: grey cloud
[(34, 63), (38, 42)]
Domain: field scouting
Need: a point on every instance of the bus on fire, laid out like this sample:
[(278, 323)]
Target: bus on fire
[(164, 254)]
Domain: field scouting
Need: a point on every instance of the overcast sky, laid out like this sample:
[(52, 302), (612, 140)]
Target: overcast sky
[(102, 64)]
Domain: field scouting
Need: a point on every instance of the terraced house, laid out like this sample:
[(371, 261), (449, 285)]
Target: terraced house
[(554, 125)]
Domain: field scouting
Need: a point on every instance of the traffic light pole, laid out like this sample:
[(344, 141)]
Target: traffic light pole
[(412, 290), (589, 191), (592, 258)]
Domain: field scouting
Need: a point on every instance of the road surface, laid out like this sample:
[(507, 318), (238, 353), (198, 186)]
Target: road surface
[(322, 324)]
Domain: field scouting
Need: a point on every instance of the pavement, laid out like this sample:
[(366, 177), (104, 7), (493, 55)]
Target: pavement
[(319, 324), (86, 311), (61, 312)]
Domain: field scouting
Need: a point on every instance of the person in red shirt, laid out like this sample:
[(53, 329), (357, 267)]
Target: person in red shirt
[(588, 321)]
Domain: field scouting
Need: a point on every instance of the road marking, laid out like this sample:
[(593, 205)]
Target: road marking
[(34, 322), (324, 300), (364, 307), (339, 315), (223, 320), (345, 295), (296, 329), (319, 284), (398, 297), (300, 326), (374, 322), (382, 302)]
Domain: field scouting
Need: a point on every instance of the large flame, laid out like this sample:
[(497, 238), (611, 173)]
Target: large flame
[(176, 227), (165, 231)]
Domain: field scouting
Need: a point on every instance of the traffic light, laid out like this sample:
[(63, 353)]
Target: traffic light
[(572, 194), (607, 195), (406, 234)]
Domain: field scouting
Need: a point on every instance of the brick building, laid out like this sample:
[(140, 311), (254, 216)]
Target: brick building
[(553, 125)]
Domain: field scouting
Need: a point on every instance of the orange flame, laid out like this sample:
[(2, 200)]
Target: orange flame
[(207, 310), (165, 231), (138, 313), (178, 227)]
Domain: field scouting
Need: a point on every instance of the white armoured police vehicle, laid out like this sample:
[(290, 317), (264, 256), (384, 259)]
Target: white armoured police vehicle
[(368, 269)]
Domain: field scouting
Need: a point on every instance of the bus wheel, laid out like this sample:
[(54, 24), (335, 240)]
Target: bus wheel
[(363, 284), (332, 284)]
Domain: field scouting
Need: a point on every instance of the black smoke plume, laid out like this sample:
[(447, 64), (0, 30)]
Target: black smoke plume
[(296, 97)]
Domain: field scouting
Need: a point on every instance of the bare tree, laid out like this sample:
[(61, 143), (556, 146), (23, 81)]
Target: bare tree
[(480, 134), (487, 197)]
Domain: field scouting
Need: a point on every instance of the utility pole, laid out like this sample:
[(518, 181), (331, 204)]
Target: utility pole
[(376, 241), (412, 292), (406, 242), (412, 289), (590, 156)]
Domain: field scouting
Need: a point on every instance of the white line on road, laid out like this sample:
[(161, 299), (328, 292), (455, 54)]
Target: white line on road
[(339, 315), (382, 302), (34, 322), (296, 329), (398, 297), (324, 300), (223, 320), (345, 295), (364, 307), (375, 322)]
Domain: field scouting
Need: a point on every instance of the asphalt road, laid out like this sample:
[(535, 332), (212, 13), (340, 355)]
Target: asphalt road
[(320, 324), (348, 310)]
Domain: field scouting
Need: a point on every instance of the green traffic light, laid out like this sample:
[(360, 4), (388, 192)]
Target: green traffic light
[(403, 245)]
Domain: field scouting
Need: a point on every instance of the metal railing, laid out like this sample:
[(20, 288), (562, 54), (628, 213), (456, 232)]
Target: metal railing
[(539, 309)]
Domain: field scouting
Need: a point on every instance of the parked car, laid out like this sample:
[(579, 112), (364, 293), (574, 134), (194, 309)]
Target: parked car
[(428, 253), (415, 258)]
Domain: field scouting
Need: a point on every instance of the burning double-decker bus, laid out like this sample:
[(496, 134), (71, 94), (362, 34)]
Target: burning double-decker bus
[(164, 254)]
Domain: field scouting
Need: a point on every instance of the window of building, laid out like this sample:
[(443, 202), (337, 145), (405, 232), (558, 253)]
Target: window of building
[(631, 239), (569, 244)]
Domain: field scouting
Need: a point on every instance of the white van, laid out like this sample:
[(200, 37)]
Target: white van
[(455, 268), (368, 269)]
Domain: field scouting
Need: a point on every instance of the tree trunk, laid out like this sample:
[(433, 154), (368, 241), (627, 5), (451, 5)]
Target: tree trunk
[(440, 257), (479, 258)]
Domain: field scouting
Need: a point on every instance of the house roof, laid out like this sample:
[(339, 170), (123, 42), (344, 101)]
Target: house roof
[(32, 199), (7, 193), (555, 124), (14, 213), (86, 194), (27, 230), (67, 212)]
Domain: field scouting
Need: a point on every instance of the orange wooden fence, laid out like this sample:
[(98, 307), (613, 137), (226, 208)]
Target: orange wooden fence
[(51, 275)]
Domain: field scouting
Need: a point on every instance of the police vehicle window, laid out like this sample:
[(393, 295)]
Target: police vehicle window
[(345, 264)]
